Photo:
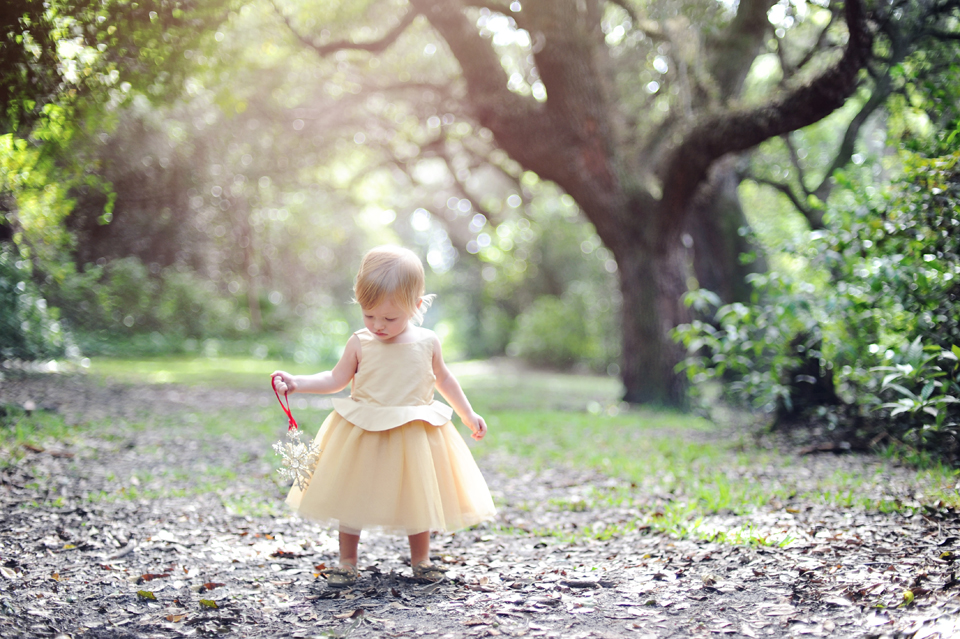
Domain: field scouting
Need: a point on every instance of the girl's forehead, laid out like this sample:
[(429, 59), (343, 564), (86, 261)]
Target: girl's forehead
[(385, 306)]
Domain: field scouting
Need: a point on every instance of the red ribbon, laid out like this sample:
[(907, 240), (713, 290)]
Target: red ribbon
[(286, 408)]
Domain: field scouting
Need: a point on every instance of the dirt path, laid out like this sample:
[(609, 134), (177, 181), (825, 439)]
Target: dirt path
[(146, 533)]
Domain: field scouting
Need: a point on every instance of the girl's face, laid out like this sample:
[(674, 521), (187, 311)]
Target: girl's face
[(386, 320)]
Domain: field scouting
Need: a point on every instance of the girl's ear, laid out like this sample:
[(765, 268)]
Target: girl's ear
[(419, 301)]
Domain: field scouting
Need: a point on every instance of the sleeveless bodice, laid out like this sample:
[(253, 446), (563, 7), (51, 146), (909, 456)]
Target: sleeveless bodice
[(393, 385)]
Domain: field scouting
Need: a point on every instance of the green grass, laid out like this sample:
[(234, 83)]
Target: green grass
[(681, 470), (20, 429), (246, 373), (683, 475)]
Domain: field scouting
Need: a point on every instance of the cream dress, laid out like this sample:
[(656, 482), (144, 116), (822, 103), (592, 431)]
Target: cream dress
[(390, 456)]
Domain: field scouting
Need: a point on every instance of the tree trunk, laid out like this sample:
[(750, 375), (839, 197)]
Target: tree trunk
[(714, 225), (652, 284)]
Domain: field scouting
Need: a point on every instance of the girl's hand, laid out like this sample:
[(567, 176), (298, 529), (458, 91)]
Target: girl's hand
[(283, 382), (477, 425)]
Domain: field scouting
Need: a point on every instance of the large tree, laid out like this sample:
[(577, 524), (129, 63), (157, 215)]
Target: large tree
[(641, 186), (632, 108)]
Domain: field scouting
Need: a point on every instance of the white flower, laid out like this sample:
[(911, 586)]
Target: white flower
[(298, 458)]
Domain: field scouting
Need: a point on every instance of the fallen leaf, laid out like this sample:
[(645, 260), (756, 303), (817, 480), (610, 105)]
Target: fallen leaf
[(209, 603), (176, 618), (350, 615), (146, 594), (211, 585), (837, 601), (580, 583), (9, 573)]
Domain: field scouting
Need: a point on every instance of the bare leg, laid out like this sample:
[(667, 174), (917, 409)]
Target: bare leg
[(348, 548), (419, 547)]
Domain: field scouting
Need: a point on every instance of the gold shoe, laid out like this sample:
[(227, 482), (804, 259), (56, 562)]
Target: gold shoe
[(342, 576), (427, 572)]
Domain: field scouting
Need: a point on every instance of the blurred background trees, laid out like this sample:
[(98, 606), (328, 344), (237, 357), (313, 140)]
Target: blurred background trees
[(204, 176)]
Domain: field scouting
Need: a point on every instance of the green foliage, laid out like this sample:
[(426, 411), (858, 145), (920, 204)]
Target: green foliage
[(190, 306), (551, 333), (562, 333), (123, 298), (37, 186), (546, 291), (748, 347), (935, 374), (879, 310), (29, 328)]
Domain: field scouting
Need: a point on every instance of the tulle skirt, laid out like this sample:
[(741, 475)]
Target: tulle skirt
[(406, 480)]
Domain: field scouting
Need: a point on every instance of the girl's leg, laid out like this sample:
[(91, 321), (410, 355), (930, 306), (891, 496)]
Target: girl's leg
[(348, 548), (419, 547)]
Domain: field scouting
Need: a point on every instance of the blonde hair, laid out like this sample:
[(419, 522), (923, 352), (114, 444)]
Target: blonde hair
[(392, 271)]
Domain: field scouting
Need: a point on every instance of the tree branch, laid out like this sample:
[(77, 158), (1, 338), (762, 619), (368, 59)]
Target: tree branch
[(733, 53), (795, 160), (481, 157), (649, 28), (515, 120), (455, 234), (785, 65), (738, 130), (814, 216), (817, 46), (881, 92), (628, 9), (375, 46), (518, 17), (462, 189), (943, 35)]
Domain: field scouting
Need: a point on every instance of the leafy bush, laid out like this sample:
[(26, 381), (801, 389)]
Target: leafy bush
[(191, 307), (29, 328), (879, 316), (565, 332), (128, 294), (122, 299)]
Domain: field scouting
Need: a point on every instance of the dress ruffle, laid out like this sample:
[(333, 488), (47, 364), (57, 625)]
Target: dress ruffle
[(407, 480), (378, 418)]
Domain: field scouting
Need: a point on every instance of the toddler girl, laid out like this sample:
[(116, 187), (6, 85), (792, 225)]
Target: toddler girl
[(391, 458)]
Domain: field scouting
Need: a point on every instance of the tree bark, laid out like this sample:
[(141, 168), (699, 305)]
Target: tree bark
[(652, 284), (715, 225)]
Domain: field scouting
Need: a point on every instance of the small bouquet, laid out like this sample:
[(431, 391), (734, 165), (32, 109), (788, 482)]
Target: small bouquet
[(298, 457)]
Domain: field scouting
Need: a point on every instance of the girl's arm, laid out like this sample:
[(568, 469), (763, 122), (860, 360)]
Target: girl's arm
[(449, 387), (327, 382)]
